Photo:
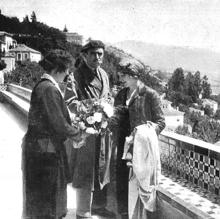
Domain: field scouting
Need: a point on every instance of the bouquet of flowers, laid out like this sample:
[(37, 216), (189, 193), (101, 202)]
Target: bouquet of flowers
[(91, 115)]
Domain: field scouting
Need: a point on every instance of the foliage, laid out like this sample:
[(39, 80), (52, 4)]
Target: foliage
[(2, 65), (206, 88), (26, 74), (184, 130), (186, 89), (216, 98), (43, 38), (35, 34), (217, 114), (33, 17), (203, 127), (176, 82), (65, 29), (208, 111), (112, 66), (183, 108)]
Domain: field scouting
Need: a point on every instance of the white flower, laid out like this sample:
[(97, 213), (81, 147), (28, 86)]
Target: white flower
[(104, 124), (72, 116), (97, 117), (82, 125), (129, 139), (90, 120), (91, 131), (108, 109)]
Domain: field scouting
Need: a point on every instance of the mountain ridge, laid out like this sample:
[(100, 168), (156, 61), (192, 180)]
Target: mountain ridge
[(168, 58)]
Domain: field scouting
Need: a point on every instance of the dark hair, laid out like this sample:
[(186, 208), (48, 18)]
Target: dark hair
[(2, 64), (78, 61), (93, 44), (65, 78), (56, 59)]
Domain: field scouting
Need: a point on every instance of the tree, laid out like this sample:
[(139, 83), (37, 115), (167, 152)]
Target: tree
[(189, 88), (208, 110), (206, 88), (2, 65), (176, 82), (197, 84), (65, 30), (26, 19), (27, 73), (217, 114), (33, 17)]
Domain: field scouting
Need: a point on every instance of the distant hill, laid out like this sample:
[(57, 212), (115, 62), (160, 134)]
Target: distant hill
[(168, 58), (125, 59)]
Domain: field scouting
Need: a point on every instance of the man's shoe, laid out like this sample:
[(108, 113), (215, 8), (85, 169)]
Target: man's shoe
[(103, 212), (124, 215), (82, 217)]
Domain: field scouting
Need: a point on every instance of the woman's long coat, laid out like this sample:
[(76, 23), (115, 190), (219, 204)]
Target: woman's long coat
[(45, 168), (92, 161), (144, 105)]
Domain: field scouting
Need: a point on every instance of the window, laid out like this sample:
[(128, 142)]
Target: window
[(25, 56), (19, 56)]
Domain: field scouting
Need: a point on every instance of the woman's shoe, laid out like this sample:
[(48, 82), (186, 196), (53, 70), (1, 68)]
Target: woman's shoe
[(103, 212)]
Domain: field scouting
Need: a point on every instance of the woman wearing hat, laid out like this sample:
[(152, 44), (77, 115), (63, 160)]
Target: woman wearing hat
[(146, 120)]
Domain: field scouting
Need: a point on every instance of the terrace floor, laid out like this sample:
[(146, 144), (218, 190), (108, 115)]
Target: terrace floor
[(12, 129), (192, 195)]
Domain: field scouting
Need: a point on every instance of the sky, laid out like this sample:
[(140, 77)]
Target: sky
[(186, 23)]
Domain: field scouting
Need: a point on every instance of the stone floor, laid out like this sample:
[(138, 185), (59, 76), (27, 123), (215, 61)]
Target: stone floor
[(192, 195), (12, 129)]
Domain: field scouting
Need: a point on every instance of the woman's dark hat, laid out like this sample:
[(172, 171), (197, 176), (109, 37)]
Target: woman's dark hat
[(93, 44)]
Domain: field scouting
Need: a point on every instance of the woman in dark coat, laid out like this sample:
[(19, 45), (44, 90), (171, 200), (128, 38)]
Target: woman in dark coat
[(45, 168)]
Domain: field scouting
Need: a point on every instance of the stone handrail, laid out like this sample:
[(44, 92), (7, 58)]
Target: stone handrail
[(179, 156), (22, 92)]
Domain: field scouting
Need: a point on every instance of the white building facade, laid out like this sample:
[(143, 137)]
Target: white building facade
[(7, 42), (25, 53)]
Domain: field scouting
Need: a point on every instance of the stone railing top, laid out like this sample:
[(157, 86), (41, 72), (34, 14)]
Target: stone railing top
[(191, 141), (20, 87), (26, 94), (23, 92)]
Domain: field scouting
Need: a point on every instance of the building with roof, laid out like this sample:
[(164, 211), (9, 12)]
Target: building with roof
[(23, 53), (6, 42), (208, 102), (9, 61), (192, 109), (74, 38), (173, 117)]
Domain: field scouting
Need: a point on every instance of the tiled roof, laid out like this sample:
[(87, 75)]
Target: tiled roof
[(23, 48), (172, 112), (208, 101)]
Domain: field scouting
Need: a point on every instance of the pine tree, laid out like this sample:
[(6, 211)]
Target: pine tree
[(65, 30), (33, 17), (206, 88)]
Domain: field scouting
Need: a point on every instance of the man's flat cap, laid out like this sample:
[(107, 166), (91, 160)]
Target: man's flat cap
[(93, 44)]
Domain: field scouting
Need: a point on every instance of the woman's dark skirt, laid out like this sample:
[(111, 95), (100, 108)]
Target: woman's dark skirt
[(44, 184)]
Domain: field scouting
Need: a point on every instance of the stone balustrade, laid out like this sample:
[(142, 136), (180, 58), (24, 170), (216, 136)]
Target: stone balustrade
[(22, 92), (194, 160)]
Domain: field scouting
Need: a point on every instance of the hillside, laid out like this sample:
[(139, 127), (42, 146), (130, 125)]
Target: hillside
[(168, 58), (43, 38)]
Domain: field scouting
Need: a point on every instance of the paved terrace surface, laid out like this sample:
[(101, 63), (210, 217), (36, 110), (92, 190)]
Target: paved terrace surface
[(12, 129), (13, 126)]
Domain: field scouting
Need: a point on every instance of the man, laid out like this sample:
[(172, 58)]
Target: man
[(91, 167)]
